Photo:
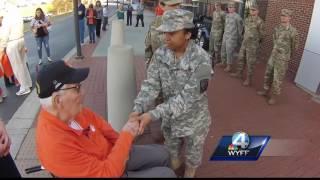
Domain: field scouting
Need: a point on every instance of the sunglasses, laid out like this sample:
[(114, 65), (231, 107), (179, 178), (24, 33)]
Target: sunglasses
[(77, 87)]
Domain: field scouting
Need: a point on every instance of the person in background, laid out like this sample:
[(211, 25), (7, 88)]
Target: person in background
[(159, 9), (285, 44), (120, 12), (81, 16), (3, 88), (91, 22), (232, 38), (5, 71), (99, 11), (105, 18), (39, 26), (252, 38), (216, 33), (129, 15), (14, 46), (140, 14)]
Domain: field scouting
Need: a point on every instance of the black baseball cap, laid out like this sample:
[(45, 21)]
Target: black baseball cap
[(53, 76)]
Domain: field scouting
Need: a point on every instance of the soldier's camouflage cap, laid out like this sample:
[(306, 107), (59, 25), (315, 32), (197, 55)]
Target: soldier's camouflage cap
[(254, 6), (172, 2), (217, 3), (175, 20), (286, 12), (231, 5)]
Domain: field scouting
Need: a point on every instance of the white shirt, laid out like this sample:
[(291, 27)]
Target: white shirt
[(105, 12), (12, 25)]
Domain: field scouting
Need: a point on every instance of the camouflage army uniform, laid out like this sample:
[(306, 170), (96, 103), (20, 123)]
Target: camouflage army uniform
[(154, 39), (184, 112), (232, 37), (285, 41), (254, 31), (216, 34)]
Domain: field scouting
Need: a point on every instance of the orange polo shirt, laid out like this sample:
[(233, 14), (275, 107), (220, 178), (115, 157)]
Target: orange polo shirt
[(67, 152)]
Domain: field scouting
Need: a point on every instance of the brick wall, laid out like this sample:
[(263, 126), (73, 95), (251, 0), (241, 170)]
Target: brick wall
[(263, 6), (300, 20)]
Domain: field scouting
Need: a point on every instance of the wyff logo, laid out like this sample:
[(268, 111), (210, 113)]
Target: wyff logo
[(240, 147)]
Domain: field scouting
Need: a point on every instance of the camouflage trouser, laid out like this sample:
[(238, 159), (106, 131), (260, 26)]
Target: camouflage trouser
[(211, 44), (275, 73), (147, 62), (247, 56), (215, 45), (228, 50), (193, 149)]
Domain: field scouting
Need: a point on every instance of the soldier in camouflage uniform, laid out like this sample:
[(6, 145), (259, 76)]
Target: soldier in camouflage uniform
[(216, 33), (180, 69), (232, 37), (154, 39), (285, 42), (254, 31)]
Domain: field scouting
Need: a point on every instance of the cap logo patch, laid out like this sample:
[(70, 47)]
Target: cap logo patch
[(56, 84)]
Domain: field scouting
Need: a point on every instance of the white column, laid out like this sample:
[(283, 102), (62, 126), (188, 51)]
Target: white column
[(117, 33), (121, 78)]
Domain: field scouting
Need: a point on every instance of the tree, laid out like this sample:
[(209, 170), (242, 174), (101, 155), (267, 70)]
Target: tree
[(61, 6)]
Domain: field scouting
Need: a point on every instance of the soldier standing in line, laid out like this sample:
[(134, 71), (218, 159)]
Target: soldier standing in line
[(285, 42), (154, 39), (180, 69), (232, 37), (253, 34), (216, 33)]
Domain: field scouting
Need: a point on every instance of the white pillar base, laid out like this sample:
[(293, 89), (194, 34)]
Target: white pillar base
[(121, 85)]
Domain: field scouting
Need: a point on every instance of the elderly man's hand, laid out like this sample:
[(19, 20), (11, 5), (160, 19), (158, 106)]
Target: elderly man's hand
[(5, 141), (132, 125), (145, 119)]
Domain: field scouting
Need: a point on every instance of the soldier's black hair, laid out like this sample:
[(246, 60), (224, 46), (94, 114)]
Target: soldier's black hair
[(193, 31)]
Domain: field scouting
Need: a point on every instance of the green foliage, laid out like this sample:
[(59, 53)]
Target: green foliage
[(61, 6)]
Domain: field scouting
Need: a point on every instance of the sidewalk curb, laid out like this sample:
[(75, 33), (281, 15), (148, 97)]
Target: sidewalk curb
[(21, 122)]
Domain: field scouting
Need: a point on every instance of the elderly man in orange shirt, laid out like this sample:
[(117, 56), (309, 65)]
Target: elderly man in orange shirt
[(73, 141)]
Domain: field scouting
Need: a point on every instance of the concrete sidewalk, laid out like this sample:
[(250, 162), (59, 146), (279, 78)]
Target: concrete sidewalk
[(292, 123)]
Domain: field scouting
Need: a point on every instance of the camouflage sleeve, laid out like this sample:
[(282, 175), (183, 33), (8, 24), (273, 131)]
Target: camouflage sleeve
[(295, 40), (148, 48), (223, 20), (211, 28), (274, 36), (182, 102), (261, 31), (150, 89), (240, 28)]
